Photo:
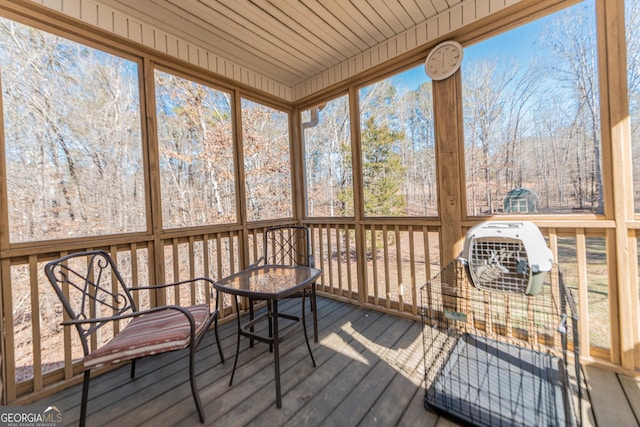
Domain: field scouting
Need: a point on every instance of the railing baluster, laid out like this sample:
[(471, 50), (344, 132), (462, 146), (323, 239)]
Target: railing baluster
[(387, 284), (348, 248), (36, 357), (390, 282), (412, 266), (374, 265), (400, 284), (338, 258)]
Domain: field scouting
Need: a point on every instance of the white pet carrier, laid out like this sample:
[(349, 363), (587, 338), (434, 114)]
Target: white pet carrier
[(507, 256)]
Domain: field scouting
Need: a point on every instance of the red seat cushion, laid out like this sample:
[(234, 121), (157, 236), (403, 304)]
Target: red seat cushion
[(152, 333)]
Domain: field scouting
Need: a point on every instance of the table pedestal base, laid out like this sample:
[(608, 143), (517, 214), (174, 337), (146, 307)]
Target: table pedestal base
[(274, 337)]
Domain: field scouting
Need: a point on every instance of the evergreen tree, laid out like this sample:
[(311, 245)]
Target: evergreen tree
[(382, 170)]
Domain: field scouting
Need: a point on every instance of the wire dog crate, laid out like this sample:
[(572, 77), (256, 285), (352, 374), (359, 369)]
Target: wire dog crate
[(500, 359)]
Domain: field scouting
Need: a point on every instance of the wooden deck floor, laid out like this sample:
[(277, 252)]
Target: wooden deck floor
[(369, 373)]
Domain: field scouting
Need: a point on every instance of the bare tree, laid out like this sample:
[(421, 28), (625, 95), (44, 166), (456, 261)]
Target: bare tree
[(632, 21), (196, 149), (574, 63), (486, 91), (415, 113), (327, 139), (72, 137), (267, 162)]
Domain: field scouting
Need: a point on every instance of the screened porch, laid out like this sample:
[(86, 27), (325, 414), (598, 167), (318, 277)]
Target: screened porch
[(173, 134)]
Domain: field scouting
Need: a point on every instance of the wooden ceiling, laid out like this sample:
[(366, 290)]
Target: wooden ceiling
[(289, 49), (288, 41)]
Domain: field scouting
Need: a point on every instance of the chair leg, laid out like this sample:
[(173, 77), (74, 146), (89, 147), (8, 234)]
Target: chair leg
[(251, 313), (215, 328), (304, 327), (235, 362), (85, 397), (270, 315), (215, 325), (192, 379), (133, 368), (314, 309)]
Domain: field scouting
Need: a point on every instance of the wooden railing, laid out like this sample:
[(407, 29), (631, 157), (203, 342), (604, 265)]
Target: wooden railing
[(379, 265), (387, 270)]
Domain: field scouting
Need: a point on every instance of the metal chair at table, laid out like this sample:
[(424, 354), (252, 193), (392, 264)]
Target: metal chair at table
[(290, 245), (94, 295)]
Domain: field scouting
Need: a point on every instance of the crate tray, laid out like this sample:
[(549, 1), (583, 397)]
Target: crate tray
[(490, 383)]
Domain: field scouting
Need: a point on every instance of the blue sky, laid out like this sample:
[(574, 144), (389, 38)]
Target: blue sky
[(518, 44)]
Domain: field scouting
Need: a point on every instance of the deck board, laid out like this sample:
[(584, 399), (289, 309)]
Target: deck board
[(631, 387), (608, 400), (370, 371), (330, 365)]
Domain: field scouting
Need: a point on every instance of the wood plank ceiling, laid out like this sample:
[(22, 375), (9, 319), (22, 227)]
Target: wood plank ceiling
[(288, 41)]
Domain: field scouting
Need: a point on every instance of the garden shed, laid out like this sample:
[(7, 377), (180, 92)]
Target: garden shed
[(521, 200)]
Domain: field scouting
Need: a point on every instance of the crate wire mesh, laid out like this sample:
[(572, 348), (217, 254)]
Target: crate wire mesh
[(495, 264), (507, 256), (498, 358)]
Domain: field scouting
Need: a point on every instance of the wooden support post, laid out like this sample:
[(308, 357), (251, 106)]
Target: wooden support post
[(358, 199), (447, 106), (617, 179)]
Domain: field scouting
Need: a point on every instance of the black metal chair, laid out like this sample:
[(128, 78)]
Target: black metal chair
[(94, 295), (290, 245)]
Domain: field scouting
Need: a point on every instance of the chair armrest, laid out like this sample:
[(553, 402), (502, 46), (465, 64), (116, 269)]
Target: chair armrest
[(257, 263), (131, 315), (198, 280), (167, 285)]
